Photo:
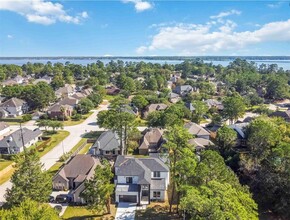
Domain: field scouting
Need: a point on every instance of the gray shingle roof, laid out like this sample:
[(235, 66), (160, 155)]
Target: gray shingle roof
[(15, 139), (107, 141), (13, 102), (195, 129), (141, 167), (79, 165)]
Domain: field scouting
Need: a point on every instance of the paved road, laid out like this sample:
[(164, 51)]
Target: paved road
[(125, 211), (68, 143)]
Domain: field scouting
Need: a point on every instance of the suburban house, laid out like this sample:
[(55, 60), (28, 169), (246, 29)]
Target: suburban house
[(47, 79), (154, 107), (190, 106), (9, 82), (13, 143), (140, 180), (69, 101), (196, 130), (58, 111), (67, 90), (200, 143), (174, 97), (282, 114), (72, 175), (78, 95), (13, 107), (212, 103), (239, 128), (151, 142), (183, 90), (112, 90), (108, 144), (4, 129)]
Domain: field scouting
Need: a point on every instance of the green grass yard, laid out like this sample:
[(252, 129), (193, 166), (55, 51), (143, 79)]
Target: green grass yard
[(71, 122), (82, 213)]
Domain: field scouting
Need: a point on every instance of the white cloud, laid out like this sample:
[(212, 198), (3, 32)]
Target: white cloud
[(213, 37), (41, 11), (275, 5), (226, 14), (140, 5), (9, 36)]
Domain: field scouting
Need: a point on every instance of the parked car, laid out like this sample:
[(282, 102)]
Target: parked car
[(62, 198)]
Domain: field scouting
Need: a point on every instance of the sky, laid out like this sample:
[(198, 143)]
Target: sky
[(144, 28)]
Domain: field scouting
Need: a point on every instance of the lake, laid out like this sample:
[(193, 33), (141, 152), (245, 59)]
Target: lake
[(285, 64)]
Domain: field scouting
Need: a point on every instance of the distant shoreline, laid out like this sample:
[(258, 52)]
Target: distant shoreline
[(207, 58)]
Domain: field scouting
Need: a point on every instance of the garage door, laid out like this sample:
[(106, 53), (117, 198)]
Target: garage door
[(127, 198)]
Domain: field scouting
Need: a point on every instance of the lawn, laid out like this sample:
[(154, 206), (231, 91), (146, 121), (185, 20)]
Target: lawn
[(12, 121), (55, 140), (110, 97), (52, 170), (85, 149), (141, 122), (73, 122), (93, 134), (7, 176), (156, 209), (82, 213), (5, 163)]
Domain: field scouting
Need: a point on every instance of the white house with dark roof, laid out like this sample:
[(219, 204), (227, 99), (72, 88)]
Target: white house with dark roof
[(108, 144), (12, 144), (140, 180), (14, 107), (183, 90)]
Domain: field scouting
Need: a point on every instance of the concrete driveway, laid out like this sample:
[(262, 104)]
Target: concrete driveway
[(126, 211), (66, 145)]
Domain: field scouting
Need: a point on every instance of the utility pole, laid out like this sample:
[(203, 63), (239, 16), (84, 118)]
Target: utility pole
[(22, 139)]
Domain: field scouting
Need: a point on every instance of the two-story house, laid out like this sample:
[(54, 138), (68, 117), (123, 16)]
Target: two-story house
[(14, 107), (14, 143), (140, 180), (108, 144), (196, 130)]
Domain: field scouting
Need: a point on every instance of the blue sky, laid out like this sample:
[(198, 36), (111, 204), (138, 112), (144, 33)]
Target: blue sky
[(142, 28)]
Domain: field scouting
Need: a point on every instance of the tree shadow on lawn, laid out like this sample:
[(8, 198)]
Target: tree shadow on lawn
[(91, 217)]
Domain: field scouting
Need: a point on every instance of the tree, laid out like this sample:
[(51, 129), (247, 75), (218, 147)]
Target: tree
[(120, 121), (29, 209), (96, 98), (98, 189), (55, 125), (140, 102), (234, 107), (180, 154), (263, 134), (226, 139), (85, 105), (218, 201), (28, 180), (200, 110)]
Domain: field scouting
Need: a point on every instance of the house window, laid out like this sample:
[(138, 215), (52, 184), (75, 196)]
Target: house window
[(107, 152), (129, 180), (156, 194), (156, 174)]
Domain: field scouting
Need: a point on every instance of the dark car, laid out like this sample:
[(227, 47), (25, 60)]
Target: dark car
[(58, 208), (62, 198)]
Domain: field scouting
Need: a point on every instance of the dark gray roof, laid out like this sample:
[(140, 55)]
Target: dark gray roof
[(133, 167), (109, 140), (81, 164), (189, 106), (183, 89), (157, 184), (141, 167), (154, 164), (15, 140), (239, 128)]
